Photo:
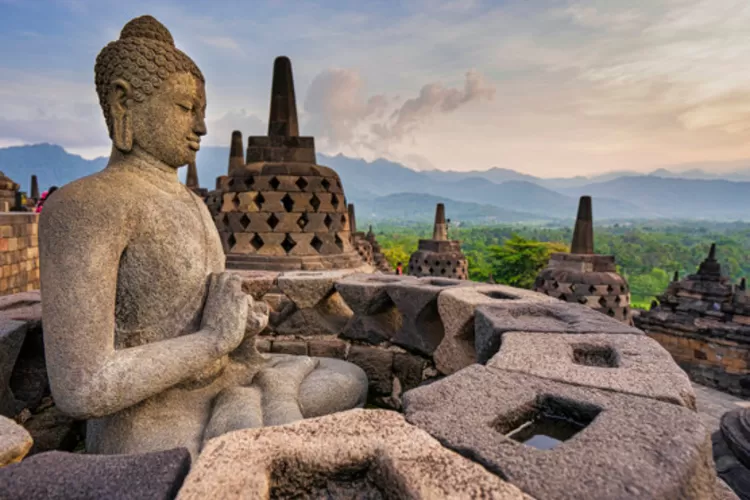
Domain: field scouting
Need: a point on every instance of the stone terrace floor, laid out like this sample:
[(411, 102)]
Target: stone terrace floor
[(712, 404)]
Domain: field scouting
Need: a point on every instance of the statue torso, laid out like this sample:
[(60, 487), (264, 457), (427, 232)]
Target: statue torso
[(163, 271)]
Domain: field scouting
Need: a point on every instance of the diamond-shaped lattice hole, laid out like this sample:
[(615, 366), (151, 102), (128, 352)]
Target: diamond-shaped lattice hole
[(335, 201), (302, 221), (301, 183), (249, 180), (432, 270), (582, 300), (555, 284), (316, 243), (273, 221), (610, 289), (592, 289), (288, 202), (274, 183), (339, 243), (225, 220), (231, 182), (325, 184), (343, 220), (315, 202), (328, 221), (236, 201), (231, 241), (245, 221), (257, 242), (563, 297), (288, 243), (260, 200), (603, 302)]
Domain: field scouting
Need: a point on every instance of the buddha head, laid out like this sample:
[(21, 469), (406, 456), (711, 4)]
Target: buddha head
[(152, 94)]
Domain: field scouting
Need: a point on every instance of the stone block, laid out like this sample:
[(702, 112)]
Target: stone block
[(421, 327), (256, 283), (456, 307), (491, 321), (366, 293), (377, 364), (295, 347), (306, 289), (54, 431), (408, 369), (631, 364), (327, 348), (731, 471), (59, 475), (562, 442), (15, 442), (12, 336), (355, 454)]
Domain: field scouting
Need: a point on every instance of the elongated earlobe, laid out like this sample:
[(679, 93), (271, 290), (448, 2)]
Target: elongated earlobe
[(120, 114)]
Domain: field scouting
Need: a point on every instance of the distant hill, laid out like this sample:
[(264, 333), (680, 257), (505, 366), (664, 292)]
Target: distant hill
[(497, 194)]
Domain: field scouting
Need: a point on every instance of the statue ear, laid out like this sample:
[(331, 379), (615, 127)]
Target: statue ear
[(120, 100)]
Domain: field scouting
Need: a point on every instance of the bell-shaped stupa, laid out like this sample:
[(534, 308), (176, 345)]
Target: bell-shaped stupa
[(439, 256), (276, 209)]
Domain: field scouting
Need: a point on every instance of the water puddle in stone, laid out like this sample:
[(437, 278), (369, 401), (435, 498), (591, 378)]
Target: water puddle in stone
[(545, 432)]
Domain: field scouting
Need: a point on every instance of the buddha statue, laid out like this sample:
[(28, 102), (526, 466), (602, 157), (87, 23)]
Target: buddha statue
[(146, 335)]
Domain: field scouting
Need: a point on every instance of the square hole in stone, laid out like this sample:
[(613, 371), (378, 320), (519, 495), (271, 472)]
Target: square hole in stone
[(602, 356), (361, 481), (546, 422), (498, 295)]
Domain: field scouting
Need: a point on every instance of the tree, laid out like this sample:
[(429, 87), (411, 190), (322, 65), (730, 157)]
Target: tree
[(519, 261)]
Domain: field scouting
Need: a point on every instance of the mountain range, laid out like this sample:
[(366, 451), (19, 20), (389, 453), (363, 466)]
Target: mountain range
[(383, 189)]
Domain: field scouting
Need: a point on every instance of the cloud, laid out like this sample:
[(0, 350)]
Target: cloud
[(341, 114), (221, 42), (220, 129)]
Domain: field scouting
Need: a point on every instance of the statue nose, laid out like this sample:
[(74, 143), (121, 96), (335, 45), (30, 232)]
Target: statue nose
[(200, 126)]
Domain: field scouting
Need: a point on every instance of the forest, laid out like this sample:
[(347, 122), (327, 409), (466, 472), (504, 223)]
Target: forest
[(647, 253)]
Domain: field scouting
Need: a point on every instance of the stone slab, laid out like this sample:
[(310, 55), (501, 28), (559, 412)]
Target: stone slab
[(366, 294), (15, 442), (354, 454), (632, 447), (12, 336), (256, 283), (307, 288), (456, 307), (631, 364), (57, 475), (491, 321)]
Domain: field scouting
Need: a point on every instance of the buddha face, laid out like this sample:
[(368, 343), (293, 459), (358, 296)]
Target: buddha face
[(169, 123)]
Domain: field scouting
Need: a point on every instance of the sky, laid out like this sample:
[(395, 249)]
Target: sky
[(552, 88)]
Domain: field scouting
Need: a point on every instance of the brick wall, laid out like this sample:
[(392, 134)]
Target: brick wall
[(19, 252), (715, 362)]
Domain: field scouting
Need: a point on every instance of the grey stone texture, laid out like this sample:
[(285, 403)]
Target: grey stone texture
[(15, 442), (59, 475), (630, 364), (629, 447), (456, 307), (356, 454), (731, 470), (153, 283), (493, 320)]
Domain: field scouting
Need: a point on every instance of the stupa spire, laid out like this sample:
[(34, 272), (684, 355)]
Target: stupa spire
[(743, 284), (710, 267), (236, 152), (34, 188), (352, 219), (583, 234), (192, 176), (676, 276), (440, 231), (282, 120)]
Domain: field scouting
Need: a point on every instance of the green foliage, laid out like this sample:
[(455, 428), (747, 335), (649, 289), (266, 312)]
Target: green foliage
[(647, 253)]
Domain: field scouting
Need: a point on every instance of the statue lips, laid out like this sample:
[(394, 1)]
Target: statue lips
[(194, 144)]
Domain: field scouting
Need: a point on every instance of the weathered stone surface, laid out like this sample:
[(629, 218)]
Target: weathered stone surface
[(307, 288), (327, 348), (29, 381), (631, 364), (294, 347), (15, 442), (408, 369), (527, 316), (456, 307), (59, 475), (257, 283), (629, 447), (366, 294), (421, 327), (356, 454), (377, 364), (12, 335)]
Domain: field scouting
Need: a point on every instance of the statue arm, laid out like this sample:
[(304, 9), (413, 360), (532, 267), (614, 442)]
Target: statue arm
[(79, 267)]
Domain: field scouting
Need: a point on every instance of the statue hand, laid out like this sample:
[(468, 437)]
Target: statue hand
[(257, 317), (226, 310)]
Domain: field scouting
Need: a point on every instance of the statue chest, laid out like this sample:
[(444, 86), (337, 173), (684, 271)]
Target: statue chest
[(162, 276)]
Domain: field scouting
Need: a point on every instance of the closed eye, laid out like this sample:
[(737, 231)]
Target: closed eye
[(186, 107)]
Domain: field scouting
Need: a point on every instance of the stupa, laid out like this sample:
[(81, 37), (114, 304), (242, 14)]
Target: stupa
[(585, 277), (439, 256), (276, 209), (191, 181), (359, 239), (8, 190)]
